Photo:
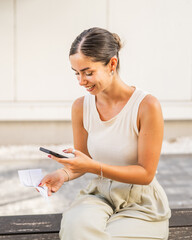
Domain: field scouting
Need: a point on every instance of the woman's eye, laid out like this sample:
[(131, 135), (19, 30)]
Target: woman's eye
[(89, 74)]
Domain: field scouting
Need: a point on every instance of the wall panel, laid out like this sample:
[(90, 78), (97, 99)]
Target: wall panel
[(158, 52), (6, 50), (45, 31)]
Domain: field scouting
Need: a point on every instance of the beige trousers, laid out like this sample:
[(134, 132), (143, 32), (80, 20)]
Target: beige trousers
[(110, 210)]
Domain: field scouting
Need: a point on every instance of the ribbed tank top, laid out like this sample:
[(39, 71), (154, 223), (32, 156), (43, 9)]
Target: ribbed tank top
[(114, 141)]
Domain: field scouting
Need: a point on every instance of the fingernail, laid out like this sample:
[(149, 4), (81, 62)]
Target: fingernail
[(65, 150), (40, 184), (49, 156)]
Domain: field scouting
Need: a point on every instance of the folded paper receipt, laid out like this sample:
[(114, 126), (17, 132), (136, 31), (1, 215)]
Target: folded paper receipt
[(32, 178)]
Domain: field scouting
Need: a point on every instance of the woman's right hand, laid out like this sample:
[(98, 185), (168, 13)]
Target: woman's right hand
[(54, 181)]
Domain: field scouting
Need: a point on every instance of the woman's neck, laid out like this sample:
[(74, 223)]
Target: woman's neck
[(117, 91)]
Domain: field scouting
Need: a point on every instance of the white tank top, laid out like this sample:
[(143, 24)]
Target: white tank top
[(114, 141)]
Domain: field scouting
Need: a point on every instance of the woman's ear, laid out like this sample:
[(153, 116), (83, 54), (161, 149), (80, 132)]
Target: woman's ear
[(113, 64)]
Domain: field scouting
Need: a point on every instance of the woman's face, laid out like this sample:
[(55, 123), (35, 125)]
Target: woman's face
[(94, 76)]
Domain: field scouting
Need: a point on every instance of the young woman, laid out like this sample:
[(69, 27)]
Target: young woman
[(118, 132)]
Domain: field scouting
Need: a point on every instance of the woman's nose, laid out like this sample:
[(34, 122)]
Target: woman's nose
[(82, 81)]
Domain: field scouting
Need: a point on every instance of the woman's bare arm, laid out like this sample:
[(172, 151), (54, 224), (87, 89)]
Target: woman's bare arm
[(79, 132)]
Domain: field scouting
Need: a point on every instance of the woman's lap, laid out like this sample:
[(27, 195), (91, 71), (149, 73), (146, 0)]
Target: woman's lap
[(91, 217)]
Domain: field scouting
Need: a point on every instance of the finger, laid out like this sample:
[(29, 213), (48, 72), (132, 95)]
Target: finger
[(49, 192), (41, 184), (60, 160), (53, 190), (71, 150), (43, 181), (37, 189)]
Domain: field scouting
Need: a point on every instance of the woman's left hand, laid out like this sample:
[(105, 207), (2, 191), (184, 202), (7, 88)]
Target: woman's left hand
[(81, 163)]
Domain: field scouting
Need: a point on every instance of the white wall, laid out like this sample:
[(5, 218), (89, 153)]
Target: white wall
[(6, 51), (36, 81)]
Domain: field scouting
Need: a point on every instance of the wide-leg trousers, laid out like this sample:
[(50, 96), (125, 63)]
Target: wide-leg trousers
[(111, 210)]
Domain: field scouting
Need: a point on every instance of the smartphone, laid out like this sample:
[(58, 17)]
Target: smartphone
[(52, 153)]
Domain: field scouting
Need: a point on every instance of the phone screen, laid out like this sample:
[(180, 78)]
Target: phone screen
[(52, 153)]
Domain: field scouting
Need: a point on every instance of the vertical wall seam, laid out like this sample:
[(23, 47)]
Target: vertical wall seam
[(191, 75), (14, 51), (107, 14)]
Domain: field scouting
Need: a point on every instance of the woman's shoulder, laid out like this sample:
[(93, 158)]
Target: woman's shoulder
[(77, 105), (150, 107), (147, 100), (78, 102), (150, 102), (77, 110), (81, 101)]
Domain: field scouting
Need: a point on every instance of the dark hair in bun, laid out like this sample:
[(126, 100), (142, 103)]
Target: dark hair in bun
[(98, 44)]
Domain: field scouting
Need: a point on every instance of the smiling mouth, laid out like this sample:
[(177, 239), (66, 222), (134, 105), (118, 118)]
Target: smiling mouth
[(89, 88)]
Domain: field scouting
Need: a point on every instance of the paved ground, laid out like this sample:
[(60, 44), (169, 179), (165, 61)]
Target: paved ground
[(174, 174)]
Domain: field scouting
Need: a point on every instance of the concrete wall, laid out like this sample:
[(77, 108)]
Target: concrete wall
[(37, 86)]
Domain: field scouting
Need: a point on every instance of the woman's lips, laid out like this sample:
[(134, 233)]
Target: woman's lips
[(90, 88)]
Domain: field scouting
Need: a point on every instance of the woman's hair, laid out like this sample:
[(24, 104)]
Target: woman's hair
[(98, 44)]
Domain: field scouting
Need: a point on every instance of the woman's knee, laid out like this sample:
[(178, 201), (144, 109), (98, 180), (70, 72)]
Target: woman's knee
[(79, 217), (73, 217), (82, 221), (71, 223)]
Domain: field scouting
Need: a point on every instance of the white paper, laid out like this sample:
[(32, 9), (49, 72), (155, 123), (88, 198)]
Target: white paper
[(32, 178)]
